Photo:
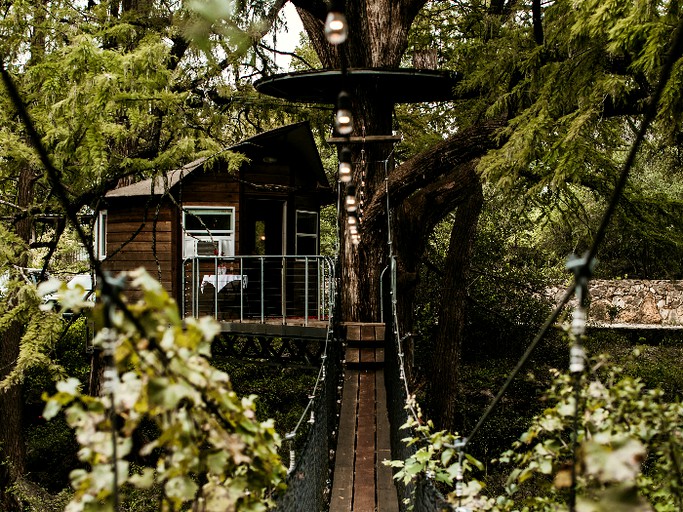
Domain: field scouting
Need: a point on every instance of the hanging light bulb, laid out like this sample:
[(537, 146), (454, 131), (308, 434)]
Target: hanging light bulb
[(345, 168), (352, 219), (350, 201), (343, 118), (336, 28), (355, 237)]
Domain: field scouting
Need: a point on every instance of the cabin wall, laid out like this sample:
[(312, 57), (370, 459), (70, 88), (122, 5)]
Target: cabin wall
[(159, 243), (134, 242), (212, 189)]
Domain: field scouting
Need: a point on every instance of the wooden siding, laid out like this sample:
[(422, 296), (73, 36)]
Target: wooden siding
[(267, 174), (202, 188), (127, 249), (213, 189)]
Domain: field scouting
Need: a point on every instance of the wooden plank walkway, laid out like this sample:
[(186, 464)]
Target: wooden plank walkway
[(361, 483)]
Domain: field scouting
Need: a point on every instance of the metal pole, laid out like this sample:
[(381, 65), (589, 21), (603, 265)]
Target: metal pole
[(262, 294), (306, 292), (241, 260)]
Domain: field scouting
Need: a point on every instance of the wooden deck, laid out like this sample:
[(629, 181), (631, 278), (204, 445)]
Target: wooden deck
[(361, 482)]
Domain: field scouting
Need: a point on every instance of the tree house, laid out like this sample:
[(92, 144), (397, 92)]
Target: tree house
[(241, 245)]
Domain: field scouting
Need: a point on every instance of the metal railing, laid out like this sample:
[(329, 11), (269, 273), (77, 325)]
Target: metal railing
[(291, 289)]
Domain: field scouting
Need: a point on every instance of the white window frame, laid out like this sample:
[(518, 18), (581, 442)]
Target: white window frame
[(100, 235), (224, 239), (298, 235)]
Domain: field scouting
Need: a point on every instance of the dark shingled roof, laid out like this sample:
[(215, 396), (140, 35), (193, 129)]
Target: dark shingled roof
[(294, 141)]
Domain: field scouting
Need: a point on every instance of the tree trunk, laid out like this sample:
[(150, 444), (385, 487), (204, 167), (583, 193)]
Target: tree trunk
[(445, 375), (421, 192), (12, 447), (378, 36)]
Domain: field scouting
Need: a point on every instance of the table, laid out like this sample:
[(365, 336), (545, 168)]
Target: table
[(220, 281)]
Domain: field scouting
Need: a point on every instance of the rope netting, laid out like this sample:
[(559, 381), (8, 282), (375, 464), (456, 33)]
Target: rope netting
[(310, 471)]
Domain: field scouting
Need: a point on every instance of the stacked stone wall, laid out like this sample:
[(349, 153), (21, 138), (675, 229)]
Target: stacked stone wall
[(633, 302)]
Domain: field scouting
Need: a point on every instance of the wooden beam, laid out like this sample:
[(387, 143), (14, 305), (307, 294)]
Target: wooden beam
[(367, 139)]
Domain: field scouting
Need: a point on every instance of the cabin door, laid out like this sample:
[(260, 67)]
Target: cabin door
[(265, 239)]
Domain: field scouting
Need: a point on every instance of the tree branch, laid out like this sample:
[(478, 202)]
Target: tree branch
[(444, 159)]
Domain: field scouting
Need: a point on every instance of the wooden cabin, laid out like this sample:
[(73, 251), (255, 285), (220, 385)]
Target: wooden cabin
[(244, 245)]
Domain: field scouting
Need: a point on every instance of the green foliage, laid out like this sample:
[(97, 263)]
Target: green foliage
[(41, 330), (439, 457), (622, 425), (209, 449), (282, 392), (630, 449)]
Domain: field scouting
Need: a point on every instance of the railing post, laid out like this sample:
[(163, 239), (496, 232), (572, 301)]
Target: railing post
[(262, 294), (195, 288), (320, 269), (283, 298), (215, 287), (306, 291), (241, 260)]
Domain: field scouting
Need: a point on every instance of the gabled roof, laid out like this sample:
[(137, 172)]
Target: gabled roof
[(157, 186), (293, 142)]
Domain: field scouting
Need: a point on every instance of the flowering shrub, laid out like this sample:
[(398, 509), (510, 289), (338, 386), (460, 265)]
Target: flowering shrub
[(630, 448), (211, 452)]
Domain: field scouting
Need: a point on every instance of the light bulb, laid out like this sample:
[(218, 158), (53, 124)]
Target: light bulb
[(343, 121), (345, 168), (344, 172), (336, 28), (350, 202), (352, 220), (343, 118)]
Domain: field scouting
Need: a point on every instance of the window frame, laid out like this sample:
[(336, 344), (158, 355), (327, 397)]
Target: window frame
[(100, 235), (207, 235), (298, 235)]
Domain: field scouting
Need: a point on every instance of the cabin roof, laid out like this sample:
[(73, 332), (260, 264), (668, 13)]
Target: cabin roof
[(291, 142)]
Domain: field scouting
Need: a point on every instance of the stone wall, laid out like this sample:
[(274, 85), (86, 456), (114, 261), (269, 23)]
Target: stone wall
[(633, 302)]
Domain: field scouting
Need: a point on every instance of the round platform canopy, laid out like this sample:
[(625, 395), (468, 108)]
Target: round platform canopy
[(394, 85)]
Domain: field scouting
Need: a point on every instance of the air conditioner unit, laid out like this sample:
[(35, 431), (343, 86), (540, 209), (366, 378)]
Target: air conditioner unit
[(189, 248), (226, 247), (194, 247), (207, 248)]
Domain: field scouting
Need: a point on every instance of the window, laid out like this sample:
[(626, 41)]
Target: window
[(306, 233), (100, 235), (208, 231)]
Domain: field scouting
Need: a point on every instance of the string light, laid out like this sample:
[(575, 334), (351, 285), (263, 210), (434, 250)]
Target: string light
[(350, 203), (336, 27), (345, 167), (343, 118)]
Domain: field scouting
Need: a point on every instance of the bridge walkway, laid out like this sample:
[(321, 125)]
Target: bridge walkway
[(361, 482)]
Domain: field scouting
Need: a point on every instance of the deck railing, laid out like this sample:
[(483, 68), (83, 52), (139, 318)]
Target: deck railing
[(286, 289)]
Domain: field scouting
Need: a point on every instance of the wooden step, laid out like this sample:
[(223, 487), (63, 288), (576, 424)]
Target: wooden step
[(363, 333), (359, 358)]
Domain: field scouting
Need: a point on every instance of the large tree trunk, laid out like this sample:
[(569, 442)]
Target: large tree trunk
[(12, 447), (421, 192), (445, 370), (378, 33)]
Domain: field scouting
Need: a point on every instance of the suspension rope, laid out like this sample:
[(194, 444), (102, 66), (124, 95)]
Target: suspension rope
[(320, 379), (549, 322)]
